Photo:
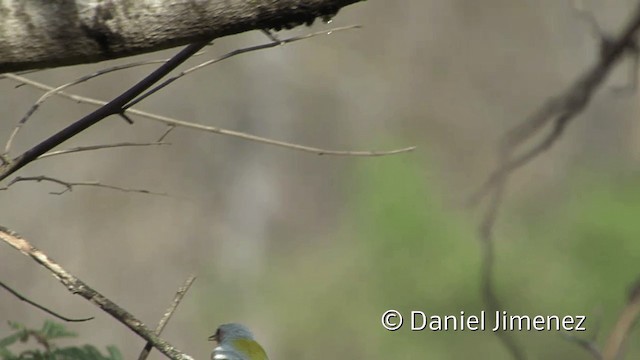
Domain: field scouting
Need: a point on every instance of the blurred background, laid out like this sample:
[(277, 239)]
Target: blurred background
[(308, 250)]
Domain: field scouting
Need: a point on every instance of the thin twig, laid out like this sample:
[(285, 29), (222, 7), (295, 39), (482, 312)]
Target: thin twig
[(82, 79), (270, 35), (78, 287), (589, 18), (167, 315), (166, 132), (588, 345), (98, 147), (70, 185), (112, 108), (212, 129), (487, 246), (236, 52), (43, 308)]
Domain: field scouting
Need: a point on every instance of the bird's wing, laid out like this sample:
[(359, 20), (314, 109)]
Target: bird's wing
[(250, 349)]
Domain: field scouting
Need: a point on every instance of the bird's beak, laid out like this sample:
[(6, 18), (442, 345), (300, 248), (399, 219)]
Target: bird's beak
[(214, 337)]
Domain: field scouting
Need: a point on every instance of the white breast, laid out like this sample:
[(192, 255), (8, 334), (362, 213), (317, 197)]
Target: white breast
[(224, 353)]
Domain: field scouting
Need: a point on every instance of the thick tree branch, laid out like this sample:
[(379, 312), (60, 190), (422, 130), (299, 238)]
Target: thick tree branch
[(76, 286), (44, 34)]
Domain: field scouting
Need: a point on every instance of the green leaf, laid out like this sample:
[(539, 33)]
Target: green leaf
[(52, 330)]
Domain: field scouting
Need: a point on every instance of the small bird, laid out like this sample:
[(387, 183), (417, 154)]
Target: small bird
[(236, 342)]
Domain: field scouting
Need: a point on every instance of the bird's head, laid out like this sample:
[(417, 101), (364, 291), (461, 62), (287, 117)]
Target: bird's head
[(228, 332)]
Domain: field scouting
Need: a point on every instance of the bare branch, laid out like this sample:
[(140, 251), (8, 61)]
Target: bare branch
[(50, 34), (78, 287), (167, 315), (69, 185), (487, 246), (98, 147), (212, 129), (588, 345), (237, 52), (80, 80), (50, 312), (166, 132), (558, 111), (561, 109), (116, 106), (589, 18), (112, 108), (625, 323)]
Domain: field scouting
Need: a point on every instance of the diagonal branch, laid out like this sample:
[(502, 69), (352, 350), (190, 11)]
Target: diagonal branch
[(588, 345), (68, 185), (112, 108), (560, 110), (167, 315), (99, 147), (625, 323), (489, 295), (173, 123), (82, 79), (78, 287), (272, 44)]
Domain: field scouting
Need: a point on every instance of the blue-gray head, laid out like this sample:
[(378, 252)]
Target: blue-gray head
[(231, 331)]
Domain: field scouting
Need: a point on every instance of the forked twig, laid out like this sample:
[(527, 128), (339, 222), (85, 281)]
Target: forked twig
[(558, 111), (70, 185), (272, 44), (78, 287), (167, 315), (98, 147), (81, 79), (112, 108), (173, 122), (123, 102)]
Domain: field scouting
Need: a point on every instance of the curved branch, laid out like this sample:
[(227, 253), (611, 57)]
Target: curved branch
[(43, 308)]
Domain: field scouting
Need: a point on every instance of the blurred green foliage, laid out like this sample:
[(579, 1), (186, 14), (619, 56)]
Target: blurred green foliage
[(402, 245), (44, 347)]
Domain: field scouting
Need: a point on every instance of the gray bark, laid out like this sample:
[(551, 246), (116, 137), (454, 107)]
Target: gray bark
[(49, 33)]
